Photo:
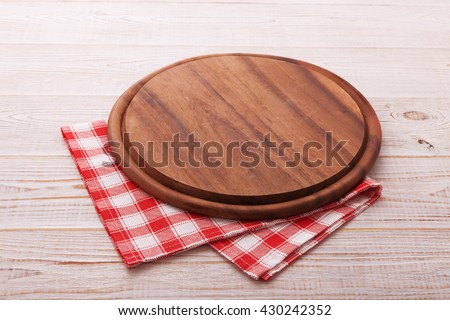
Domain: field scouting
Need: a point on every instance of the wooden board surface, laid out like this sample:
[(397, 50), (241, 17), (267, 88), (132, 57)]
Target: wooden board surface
[(277, 105), (64, 62)]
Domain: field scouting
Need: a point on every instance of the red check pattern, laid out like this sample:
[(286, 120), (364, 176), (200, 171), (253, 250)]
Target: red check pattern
[(144, 229)]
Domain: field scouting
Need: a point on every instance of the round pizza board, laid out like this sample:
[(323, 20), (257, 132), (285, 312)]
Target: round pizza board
[(244, 136)]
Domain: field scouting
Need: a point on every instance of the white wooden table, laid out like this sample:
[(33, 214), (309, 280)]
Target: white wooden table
[(63, 62)]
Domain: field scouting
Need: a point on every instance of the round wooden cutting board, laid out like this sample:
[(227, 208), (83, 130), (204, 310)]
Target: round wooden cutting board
[(244, 136)]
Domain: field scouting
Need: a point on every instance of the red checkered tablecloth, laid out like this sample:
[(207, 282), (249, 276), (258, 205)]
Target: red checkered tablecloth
[(144, 229)]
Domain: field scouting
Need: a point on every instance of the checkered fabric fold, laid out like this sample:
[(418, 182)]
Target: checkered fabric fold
[(144, 229)]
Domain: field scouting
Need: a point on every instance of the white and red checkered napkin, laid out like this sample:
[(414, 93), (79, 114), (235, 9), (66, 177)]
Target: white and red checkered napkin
[(144, 229)]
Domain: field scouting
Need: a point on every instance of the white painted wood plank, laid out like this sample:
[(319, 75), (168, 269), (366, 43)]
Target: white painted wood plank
[(352, 264), (414, 3), (110, 69), (224, 24)]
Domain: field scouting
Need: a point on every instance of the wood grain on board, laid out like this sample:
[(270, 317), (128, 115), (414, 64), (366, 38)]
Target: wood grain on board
[(66, 62)]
